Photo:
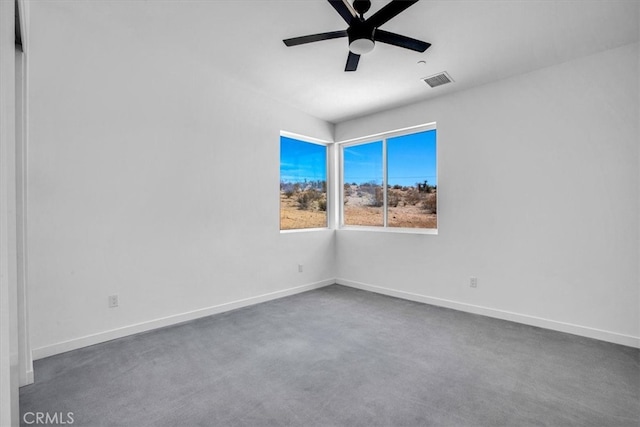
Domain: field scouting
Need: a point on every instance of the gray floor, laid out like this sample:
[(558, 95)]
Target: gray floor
[(339, 356)]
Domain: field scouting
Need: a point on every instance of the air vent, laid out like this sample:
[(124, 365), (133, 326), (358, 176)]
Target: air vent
[(438, 79)]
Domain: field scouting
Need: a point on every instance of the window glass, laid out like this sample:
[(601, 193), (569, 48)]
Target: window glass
[(303, 184), (412, 181), (391, 182), (363, 201)]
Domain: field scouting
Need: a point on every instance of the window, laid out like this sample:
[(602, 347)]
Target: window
[(391, 181), (303, 184), (363, 183)]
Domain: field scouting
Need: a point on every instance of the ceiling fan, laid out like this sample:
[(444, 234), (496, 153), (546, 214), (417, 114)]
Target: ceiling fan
[(363, 33)]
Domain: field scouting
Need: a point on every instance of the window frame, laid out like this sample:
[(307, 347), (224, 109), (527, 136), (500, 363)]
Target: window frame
[(383, 136), (329, 180)]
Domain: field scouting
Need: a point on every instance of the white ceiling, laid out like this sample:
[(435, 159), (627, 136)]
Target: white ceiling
[(475, 41)]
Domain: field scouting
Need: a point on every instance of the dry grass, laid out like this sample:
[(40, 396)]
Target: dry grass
[(413, 210), (292, 217), (407, 217)]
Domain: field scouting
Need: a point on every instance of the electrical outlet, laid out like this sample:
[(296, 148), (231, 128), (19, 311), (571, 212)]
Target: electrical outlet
[(473, 282), (113, 301), (300, 268)]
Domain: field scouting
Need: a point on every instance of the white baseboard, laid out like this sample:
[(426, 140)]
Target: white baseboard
[(584, 331), (100, 337), (88, 340), (27, 379)]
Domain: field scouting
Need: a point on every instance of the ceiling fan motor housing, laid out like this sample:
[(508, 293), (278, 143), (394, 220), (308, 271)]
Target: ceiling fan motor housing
[(360, 38)]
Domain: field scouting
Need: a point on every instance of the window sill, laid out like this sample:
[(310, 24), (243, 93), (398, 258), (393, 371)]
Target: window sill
[(304, 230), (426, 231)]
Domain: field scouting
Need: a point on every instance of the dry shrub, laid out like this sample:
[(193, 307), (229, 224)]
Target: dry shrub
[(307, 198), (348, 190), (393, 198), (430, 203), (378, 199), (412, 196), (304, 201)]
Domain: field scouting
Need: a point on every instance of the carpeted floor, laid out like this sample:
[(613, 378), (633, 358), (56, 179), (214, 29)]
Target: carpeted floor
[(342, 357)]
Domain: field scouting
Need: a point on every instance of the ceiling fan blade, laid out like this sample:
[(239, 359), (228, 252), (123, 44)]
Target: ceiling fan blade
[(345, 11), (315, 38), (389, 11), (402, 41), (352, 62)]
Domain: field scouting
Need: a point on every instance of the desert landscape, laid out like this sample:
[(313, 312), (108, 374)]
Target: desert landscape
[(305, 205)]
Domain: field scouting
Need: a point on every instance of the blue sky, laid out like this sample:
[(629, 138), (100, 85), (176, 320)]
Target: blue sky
[(411, 159), (363, 163), (300, 161)]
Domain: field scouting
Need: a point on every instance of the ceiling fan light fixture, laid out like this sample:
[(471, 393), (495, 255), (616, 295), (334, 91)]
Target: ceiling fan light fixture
[(361, 46)]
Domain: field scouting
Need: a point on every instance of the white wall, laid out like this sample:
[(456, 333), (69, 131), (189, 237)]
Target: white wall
[(538, 197), (151, 177)]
